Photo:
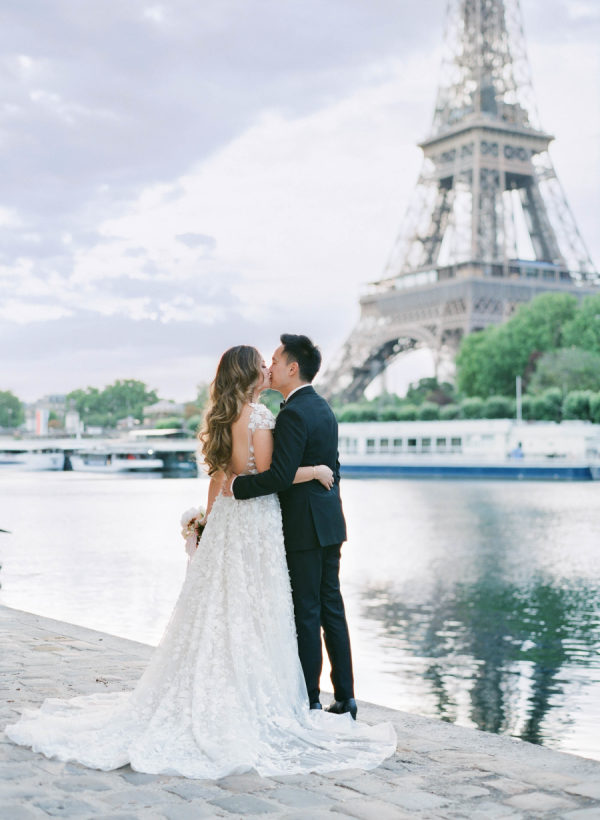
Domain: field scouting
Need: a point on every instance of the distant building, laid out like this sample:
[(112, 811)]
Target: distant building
[(163, 409), (37, 414), (53, 403), (41, 421), (128, 423), (73, 423)]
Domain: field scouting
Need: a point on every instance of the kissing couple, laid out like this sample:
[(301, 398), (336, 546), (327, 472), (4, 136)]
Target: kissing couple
[(233, 685)]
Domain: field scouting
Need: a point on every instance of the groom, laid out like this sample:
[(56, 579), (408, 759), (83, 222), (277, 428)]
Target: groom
[(306, 434)]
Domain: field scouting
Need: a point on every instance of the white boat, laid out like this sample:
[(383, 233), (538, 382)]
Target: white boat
[(25, 455), (493, 448), (115, 460)]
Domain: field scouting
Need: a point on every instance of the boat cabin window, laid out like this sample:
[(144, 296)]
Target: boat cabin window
[(397, 444), (425, 445), (456, 445), (440, 444), (370, 445), (348, 445), (384, 445), (411, 443)]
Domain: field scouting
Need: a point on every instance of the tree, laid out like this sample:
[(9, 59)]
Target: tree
[(577, 405), (449, 411), (272, 399), (390, 414), (566, 369), (595, 408), (471, 362), (429, 390), (12, 411), (116, 401), (471, 408), (194, 423), (170, 423), (428, 411), (583, 330), (548, 405), (408, 412), (489, 361), (128, 398), (527, 409), (498, 407)]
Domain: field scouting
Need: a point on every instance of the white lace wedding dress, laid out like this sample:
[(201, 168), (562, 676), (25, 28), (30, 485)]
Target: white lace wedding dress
[(224, 692)]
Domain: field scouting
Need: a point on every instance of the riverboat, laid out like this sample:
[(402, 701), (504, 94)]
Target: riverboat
[(114, 460), (26, 455), (486, 448)]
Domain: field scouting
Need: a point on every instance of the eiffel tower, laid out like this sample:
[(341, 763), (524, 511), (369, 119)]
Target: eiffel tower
[(488, 226)]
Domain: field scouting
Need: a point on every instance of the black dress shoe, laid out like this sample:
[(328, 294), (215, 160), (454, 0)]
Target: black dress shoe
[(340, 707), (316, 705)]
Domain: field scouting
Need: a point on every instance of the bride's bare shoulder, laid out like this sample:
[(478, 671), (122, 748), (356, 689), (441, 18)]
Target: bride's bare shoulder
[(244, 417)]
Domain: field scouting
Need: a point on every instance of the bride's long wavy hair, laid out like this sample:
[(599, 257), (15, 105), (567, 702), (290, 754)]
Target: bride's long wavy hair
[(237, 375)]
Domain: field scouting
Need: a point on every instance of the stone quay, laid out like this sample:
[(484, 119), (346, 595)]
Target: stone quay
[(439, 770)]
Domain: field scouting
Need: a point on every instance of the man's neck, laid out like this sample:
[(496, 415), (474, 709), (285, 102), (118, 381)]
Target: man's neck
[(286, 396)]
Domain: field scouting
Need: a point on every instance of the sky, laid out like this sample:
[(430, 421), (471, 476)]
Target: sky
[(179, 177)]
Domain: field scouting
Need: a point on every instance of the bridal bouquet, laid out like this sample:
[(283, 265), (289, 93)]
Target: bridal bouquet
[(193, 522)]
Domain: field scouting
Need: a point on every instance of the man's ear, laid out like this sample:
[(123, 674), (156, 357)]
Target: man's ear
[(293, 368)]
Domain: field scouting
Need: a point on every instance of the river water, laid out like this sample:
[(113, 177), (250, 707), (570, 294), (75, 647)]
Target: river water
[(476, 602)]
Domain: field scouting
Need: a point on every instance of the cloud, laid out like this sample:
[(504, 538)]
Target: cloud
[(245, 165), (197, 240)]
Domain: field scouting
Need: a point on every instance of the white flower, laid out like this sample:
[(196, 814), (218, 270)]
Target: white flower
[(192, 522), (189, 515)]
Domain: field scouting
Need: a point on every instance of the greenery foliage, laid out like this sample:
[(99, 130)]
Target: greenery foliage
[(489, 361), (170, 423), (548, 405), (583, 330), (449, 411), (193, 423), (471, 408), (498, 407), (577, 405), (105, 407), (408, 412), (567, 369), (428, 411), (595, 408), (12, 411)]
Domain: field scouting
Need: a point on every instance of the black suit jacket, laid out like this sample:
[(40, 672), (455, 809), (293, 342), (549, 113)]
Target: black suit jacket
[(306, 434)]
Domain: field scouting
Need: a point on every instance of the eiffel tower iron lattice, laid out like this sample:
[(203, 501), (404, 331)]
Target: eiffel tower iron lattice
[(488, 226)]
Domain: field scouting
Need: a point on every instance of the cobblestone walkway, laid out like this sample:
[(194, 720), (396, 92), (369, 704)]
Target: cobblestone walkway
[(439, 770)]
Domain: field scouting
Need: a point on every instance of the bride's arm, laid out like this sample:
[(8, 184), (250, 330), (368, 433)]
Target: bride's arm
[(320, 472), (263, 451), (216, 484)]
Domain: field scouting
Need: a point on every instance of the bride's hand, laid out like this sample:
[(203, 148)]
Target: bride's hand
[(325, 475)]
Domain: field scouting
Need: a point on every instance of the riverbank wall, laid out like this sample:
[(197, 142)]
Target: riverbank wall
[(439, 770)]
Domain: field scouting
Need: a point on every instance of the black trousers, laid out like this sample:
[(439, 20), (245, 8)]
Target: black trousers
[(318, 603)]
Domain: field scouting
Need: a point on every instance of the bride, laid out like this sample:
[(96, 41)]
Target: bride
[(224, 692)]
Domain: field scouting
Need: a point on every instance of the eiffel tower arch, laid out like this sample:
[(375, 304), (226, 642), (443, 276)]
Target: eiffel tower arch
[(488, 226)]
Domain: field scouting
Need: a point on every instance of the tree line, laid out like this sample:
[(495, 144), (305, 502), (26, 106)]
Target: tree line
[(552, 342)]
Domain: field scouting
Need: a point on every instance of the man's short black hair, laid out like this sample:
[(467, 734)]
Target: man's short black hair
[(300, 349)]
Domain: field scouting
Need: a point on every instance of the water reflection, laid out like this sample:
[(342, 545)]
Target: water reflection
[(475, 602), (505, 644)]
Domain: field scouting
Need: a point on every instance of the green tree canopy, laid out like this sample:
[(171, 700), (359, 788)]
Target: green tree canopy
[(489, 361), (116, 401), (583, 330), (566, 369), (12, 411), (428, 390), (577, 405)]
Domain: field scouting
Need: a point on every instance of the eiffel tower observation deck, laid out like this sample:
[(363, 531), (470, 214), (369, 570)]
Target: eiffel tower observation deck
[(488, 226)]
